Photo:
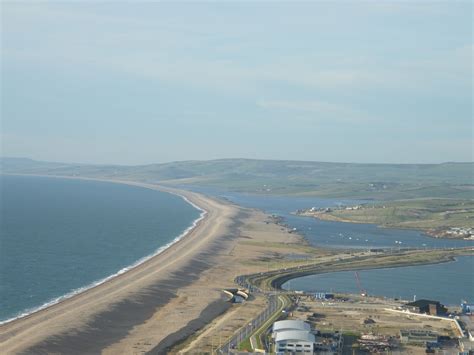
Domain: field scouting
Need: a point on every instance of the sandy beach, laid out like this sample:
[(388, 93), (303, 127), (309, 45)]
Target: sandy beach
[(102, 316), (173, 303), (170, 298), (165, 300)]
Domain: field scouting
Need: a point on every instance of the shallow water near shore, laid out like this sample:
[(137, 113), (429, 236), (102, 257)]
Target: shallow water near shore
[(448, 283), (59, 236), (331, 234)]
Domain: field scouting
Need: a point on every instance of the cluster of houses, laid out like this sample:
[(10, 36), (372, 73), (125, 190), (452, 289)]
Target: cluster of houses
[(460, 232), (328, 209)]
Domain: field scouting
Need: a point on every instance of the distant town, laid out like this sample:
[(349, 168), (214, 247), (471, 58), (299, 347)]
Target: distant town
[(343, 214)]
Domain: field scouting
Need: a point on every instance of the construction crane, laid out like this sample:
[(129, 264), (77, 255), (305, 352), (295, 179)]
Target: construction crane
[(363, 292)]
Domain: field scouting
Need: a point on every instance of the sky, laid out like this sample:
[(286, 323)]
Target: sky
[(150, 82)]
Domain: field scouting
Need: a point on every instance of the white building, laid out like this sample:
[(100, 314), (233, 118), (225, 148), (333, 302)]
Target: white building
[(293, 336), (290, 325)]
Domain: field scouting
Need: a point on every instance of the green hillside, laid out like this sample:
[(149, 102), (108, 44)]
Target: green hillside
[(369, 181), (417, 213)]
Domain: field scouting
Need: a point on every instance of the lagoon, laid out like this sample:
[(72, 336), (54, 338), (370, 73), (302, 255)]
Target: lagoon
[(448, 283)]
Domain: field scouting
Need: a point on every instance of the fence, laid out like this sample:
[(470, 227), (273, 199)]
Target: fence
[(245, 332)]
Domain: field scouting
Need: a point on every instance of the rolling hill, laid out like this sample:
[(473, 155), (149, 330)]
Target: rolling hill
[(350, 180)]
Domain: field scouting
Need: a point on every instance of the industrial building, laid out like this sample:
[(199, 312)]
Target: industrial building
[(285, 325), (420, 337), (433, 308), (467, 308), (292, 341), (293, 336), (323, 296)]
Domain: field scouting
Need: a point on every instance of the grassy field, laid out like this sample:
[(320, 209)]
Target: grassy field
[(418, 213), (300, 178)]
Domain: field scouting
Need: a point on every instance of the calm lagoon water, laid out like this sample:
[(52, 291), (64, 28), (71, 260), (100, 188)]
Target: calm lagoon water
[(334, 234), (448, 282), (60, 235)]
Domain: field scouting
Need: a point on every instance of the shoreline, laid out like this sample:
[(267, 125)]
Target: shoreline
[(278, 281), (449, 259), (332, 218), (97, 299), (27, 312), (146, 307)]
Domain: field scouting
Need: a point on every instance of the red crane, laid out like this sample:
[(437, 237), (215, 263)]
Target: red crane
[(363, 292)]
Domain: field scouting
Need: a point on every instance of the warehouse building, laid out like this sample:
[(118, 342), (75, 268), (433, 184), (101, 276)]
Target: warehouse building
[(433, 308), (284, 325), (293, 336), (415, 336)]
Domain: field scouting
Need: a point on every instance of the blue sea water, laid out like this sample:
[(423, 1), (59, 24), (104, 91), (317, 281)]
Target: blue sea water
[(60, 235)]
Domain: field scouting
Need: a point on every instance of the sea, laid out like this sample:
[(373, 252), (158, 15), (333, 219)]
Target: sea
[(61, 236), (448, 282)]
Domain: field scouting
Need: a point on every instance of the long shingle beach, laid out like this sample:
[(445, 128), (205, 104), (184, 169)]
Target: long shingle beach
[(104, 315)]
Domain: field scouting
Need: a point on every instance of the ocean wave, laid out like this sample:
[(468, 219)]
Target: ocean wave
[(77, 291)]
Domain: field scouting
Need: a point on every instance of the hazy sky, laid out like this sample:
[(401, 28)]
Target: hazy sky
[(133, 83)]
